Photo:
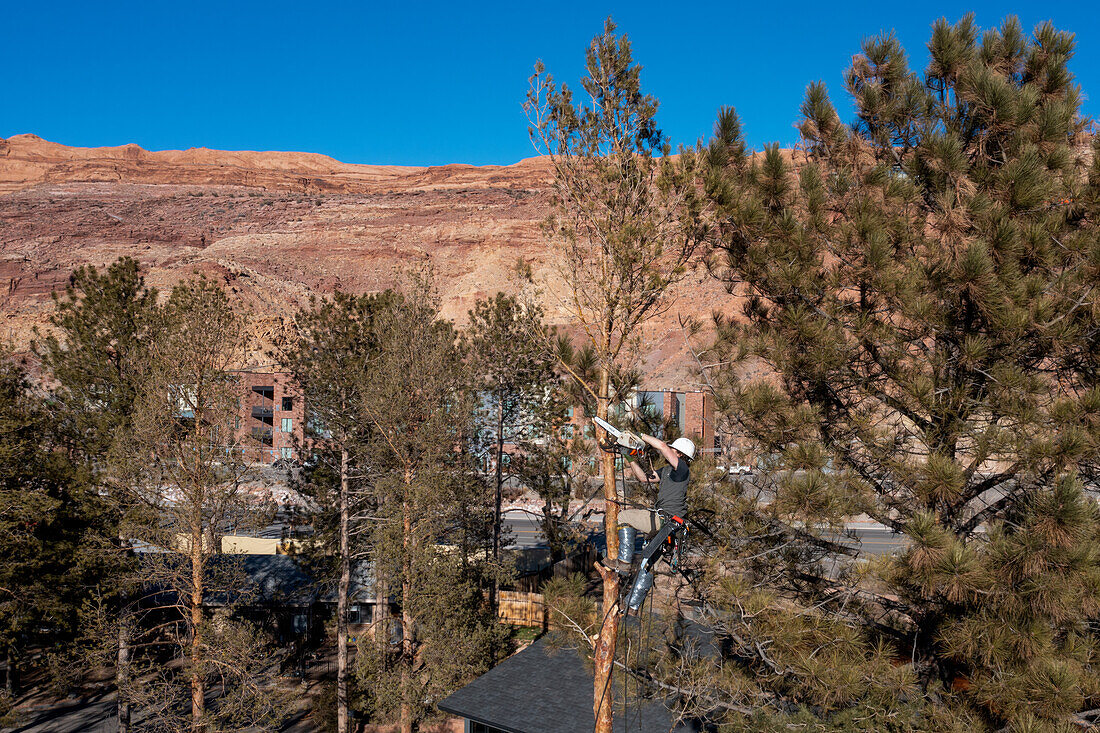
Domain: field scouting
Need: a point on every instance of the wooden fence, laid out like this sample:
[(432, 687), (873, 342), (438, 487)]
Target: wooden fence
[(579, 562), (523, 609)]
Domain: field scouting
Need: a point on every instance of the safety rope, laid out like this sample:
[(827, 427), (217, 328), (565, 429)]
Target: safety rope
[(644, 625)]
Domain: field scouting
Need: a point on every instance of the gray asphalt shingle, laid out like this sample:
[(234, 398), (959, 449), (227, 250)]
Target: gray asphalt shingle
[(546, 690)]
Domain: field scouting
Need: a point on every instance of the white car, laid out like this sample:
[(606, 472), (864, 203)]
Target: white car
[(736, 469)]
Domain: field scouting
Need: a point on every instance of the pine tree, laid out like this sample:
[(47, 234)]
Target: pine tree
[(624, 217), (101, 330), (553, 465), (920, 291), (183, 461), (338, 341), (420, 404), (513, 370), (50, 517)]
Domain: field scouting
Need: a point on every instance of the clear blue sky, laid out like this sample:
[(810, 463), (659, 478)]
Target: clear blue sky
[(420, 83)]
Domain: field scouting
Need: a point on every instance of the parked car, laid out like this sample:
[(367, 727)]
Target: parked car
[(736, 469)]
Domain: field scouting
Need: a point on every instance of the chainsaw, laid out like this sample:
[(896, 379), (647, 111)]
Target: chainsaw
[(626, 443)]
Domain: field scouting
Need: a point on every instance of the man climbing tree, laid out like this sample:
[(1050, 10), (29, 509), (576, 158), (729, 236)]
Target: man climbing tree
[(623, 217), (672, 480)]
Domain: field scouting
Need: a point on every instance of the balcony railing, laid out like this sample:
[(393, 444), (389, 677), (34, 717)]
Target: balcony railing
[(262, 435)]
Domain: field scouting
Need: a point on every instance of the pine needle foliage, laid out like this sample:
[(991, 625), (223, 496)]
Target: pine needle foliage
[(338, 339), (434, 516), (921, 291), (50, 518), (515, 388), (100, 331), (625, 215), (182, 461)]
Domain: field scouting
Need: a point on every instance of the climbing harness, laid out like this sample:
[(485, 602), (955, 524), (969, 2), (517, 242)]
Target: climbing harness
[(666, 544)]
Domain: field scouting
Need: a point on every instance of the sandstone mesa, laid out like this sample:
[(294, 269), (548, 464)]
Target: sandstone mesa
[(278, 227)]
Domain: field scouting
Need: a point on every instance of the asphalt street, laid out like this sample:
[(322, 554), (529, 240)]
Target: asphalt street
[(877, 540), (525, 531)]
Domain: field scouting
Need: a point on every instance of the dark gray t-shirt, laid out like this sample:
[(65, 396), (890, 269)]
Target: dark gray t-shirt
[(672, 493)]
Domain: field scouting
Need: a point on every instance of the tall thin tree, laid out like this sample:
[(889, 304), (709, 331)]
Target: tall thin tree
[(100, 333), (184, 459), (337, 340), (514, 372), (624, 217)]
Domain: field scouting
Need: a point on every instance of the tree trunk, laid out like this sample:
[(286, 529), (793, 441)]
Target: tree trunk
[(198, 699), (498, 500), (9, 678), (122, 671), (381, 613), (380, 616), (604, 656), (342, 603), (407, 621), (122, 666)]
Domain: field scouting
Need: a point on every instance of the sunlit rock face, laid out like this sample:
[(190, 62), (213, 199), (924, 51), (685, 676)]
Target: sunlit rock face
[(279, 227)]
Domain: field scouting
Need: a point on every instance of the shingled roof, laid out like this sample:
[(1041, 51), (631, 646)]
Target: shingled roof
[(547, 690)]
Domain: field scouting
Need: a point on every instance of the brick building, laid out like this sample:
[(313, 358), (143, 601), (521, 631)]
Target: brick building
[(270, 424), (691, 412)]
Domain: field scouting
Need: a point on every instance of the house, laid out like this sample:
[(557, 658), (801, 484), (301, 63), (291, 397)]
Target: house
[(273, 591), (546, 690), (361, 598)]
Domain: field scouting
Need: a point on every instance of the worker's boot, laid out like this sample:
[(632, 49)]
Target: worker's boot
[(642, 584), (624, 563)]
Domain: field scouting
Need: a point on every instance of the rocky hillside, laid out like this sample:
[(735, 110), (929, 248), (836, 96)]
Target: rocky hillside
[(278, 227)]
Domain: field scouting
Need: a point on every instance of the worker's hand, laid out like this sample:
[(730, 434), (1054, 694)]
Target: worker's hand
[(631, 442)]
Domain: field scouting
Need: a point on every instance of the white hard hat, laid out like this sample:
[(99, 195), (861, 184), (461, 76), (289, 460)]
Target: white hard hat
[(685, 446)]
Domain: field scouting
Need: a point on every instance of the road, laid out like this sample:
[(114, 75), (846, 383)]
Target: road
[(873, 539), (524, 529), (877, 540)]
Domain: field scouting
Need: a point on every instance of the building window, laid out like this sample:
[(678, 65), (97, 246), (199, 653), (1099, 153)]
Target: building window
[(301, 623), (288, 404), (566, 432), (286, 452), (288, 424), (569, 412), (589, 432), (505, 459)]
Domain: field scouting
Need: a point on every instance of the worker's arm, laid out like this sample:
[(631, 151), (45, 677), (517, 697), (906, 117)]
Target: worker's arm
[(663, 448), (640, 474)]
